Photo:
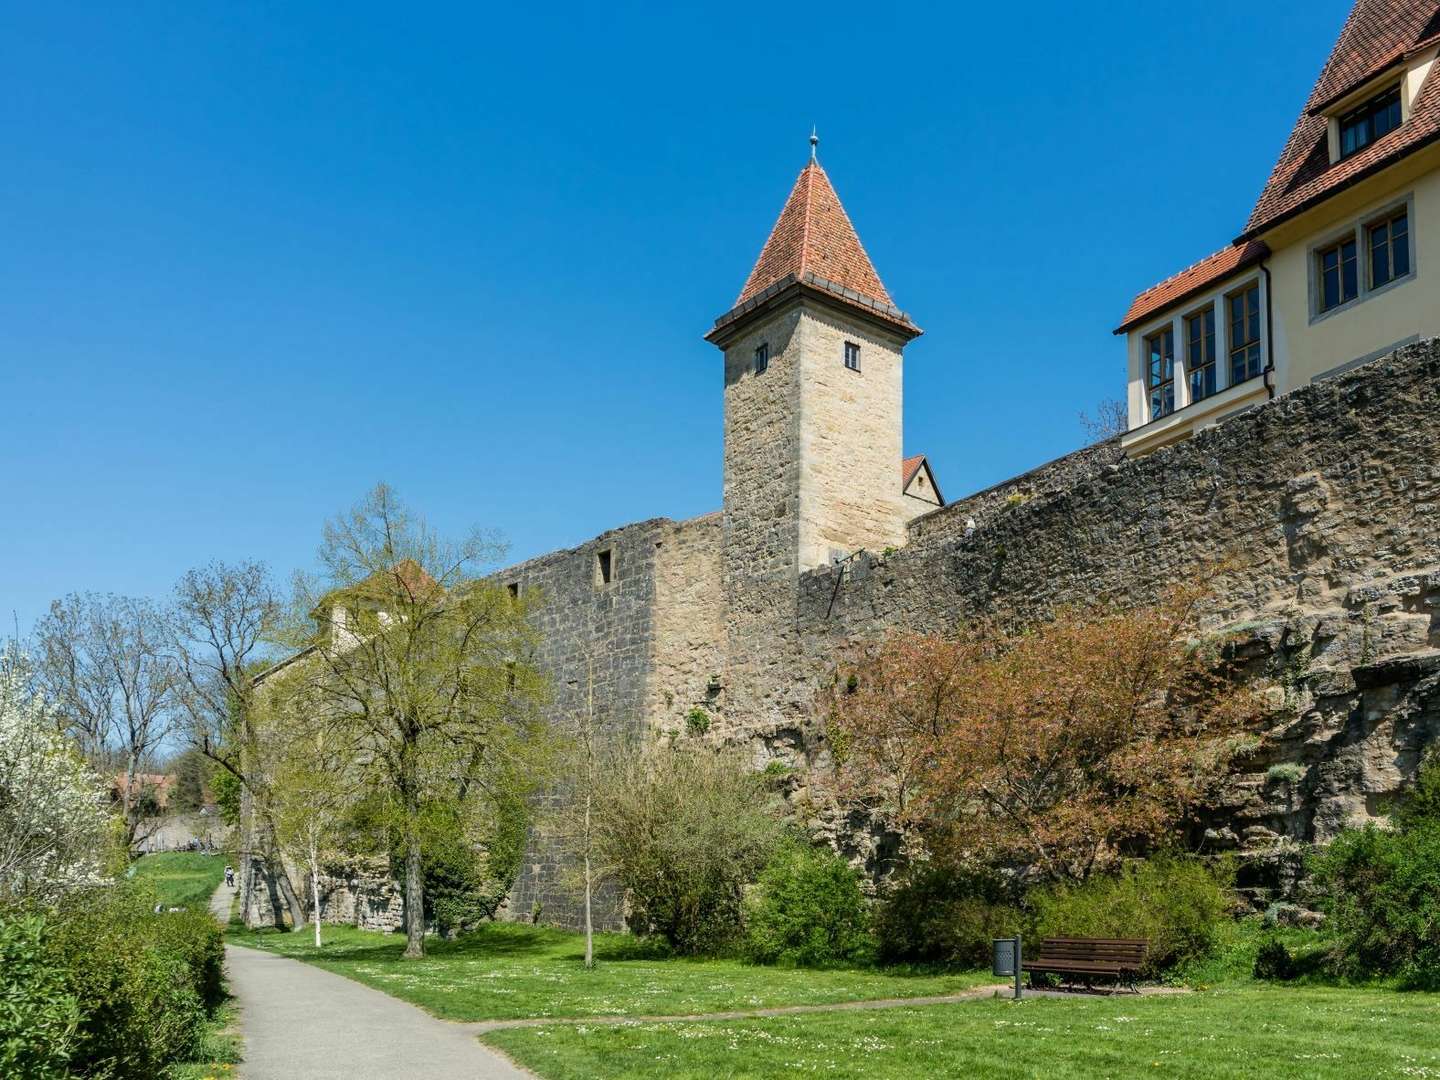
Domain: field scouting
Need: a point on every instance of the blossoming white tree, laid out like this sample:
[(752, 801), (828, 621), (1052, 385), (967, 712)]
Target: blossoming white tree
[(55, 825)]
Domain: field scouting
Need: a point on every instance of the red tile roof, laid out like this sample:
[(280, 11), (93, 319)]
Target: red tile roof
[(813, 243), (1193, 279), (1377, 35), (813, 233), (908, 468)]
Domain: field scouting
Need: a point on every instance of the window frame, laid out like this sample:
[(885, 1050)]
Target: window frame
[(1151, 384), (1213, 339), (1387, 222), (762, 358), (1249, 317), (1366, 113), (1357, 230), (1337, 248), (851, 352)]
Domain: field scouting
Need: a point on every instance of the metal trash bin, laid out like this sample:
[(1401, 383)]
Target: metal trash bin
[(1008, 959)]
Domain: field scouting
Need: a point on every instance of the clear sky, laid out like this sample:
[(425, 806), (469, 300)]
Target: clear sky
[(256, 257)]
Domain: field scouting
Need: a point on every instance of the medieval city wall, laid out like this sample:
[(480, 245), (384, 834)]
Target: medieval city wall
[(636, 655), (1324, 506)]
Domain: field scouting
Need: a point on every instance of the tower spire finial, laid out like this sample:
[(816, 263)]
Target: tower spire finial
[(814, 142)]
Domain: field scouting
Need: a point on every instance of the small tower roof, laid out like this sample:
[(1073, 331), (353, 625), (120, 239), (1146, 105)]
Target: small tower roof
[(813, 234), (813, 246)]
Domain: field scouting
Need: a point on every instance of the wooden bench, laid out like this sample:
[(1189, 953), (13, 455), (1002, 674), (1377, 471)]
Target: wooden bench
[(1073, 960)]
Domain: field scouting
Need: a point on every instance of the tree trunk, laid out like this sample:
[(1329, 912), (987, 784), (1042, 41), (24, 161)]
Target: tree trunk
[(315, 887), (589, 925), (414, 897), (280, 875)]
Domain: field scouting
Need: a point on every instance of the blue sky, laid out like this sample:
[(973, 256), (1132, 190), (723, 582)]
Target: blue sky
[(254, 258)]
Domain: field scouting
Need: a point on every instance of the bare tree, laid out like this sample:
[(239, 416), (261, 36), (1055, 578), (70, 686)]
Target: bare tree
[(1112, 418), (427, 663), (104, 663), (223, 621)]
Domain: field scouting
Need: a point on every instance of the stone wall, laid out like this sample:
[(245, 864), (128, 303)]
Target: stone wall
[(361, 896), (1324, 506), (637, 654)]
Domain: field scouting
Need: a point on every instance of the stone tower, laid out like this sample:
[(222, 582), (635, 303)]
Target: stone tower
[(813, 355)]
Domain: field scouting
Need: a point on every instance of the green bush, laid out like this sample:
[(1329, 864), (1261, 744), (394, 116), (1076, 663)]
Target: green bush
[(141, 980), (807, 909), (1273, 961), (1178, 905), (1384, 901), (38, 1014), (685, 831), (469, 860), (945, 915)]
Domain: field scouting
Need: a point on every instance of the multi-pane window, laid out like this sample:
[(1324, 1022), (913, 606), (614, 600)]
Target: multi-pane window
[(1244, 309), (1160, 372), (1378, 116), (762, 357), (1339, 273), (1389, 249), (852, 356), (1200, 353)]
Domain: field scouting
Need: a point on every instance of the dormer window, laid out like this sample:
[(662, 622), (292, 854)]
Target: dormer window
[(1361, 127)]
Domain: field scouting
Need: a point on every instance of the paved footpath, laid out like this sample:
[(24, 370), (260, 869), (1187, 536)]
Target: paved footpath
[(303, 1023)]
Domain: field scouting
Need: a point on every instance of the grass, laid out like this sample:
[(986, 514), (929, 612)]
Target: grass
[(219, 1052), (182, 878), (508, 971), (1259, 1032)]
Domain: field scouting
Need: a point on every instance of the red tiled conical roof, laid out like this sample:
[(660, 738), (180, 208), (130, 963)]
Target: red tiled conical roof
[(813, 235)]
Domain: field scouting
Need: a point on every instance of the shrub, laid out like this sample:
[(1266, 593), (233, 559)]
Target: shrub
[(684, 831), (140, 980), (697, 721), (1384, 901), (1287, 772), (470, 859), (1273, 961), (1178, 905), (38, 1014), (945, 915), (807, 909)]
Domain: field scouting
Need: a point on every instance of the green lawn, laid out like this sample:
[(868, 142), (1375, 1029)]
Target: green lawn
[(1257, 1032), (509, 971), (219, 1051), (182, 878)]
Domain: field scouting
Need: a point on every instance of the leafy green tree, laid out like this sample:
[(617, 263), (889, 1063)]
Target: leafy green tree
[(427, 665)]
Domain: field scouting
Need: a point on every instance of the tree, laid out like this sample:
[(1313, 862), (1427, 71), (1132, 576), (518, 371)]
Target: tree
[(313, 785), (686, 830), (55, 823), (428, 666), (222, 624), (587, 769), (1055, 749), (1112, 418), (104, 663)]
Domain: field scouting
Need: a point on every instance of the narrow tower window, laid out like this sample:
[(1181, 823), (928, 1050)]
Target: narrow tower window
[(852, 356), (604, 567), (762, 357)]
